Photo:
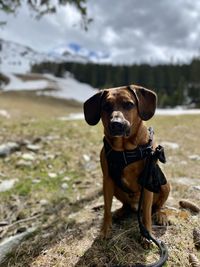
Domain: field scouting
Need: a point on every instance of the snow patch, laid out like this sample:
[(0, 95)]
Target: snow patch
[(177, 111), (16, 84), (69, 88)]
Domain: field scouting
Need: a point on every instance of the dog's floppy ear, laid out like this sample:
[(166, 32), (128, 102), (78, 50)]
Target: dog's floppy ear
[(146, 100), (92, 109)]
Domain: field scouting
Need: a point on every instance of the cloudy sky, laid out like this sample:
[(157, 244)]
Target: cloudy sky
[(129, 31)]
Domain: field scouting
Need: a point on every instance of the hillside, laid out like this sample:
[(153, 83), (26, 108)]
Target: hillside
[(49, 85), (17, 58)]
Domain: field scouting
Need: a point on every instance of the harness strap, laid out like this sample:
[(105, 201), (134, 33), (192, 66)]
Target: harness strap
[(118, 160)]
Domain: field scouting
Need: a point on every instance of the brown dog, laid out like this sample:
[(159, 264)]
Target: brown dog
[(122, 111)]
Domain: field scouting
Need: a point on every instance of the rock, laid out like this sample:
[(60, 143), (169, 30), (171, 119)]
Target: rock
[(64, 186), (66, 178), (52, 175), (9, 244), (44, 202), (197, 187), (36, 181), (6, 185), (194, 157), (28, 156), (23, 163), (4, 113), (8, 148), (33, 147), (170, 145), (86, 157), (49, 166), (48, 156), (90, 165)]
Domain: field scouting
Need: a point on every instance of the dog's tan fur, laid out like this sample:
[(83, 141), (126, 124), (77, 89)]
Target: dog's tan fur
[(105, 105)]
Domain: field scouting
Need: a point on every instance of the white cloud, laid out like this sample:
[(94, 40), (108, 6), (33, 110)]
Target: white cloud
[(130, 31), (110, 37)]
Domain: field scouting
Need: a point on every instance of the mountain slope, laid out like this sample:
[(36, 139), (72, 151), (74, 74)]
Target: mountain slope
[(18, 58)]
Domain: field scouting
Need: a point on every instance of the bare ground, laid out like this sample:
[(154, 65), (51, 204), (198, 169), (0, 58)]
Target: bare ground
[(67, 207)]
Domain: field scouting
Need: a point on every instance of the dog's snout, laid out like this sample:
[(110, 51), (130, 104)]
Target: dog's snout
[(116, 125)]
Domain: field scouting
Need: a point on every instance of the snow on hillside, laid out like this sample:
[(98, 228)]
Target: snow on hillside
[(17, 84), (65, 88), (70, 88), (18, 58)]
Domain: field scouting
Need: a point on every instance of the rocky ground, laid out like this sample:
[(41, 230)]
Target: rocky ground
[(50, 189)]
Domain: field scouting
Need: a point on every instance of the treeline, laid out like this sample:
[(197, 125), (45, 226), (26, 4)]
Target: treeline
[(175, 84)]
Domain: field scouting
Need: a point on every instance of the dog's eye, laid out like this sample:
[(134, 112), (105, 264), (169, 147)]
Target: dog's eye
[(128, 105), (107, 107)]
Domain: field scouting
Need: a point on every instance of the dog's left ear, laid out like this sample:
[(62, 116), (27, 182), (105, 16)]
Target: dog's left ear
[(146, 100), (92, 109)]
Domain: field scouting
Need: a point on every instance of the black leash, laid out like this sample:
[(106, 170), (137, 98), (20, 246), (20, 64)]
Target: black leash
[(146, 182), (150, 162), (145, 233)]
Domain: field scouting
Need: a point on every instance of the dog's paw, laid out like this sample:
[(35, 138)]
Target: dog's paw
[(145, 243), (105, 232), (160, 218), (122, 213)]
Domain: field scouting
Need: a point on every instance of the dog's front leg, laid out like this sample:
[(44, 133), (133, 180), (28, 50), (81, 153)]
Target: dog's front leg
[(146, 214), (108, 192)]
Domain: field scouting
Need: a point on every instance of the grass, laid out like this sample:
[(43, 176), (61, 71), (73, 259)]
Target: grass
[(68, 223)]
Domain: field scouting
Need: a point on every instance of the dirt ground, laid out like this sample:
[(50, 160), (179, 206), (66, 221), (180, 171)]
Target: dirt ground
[(58, 189)]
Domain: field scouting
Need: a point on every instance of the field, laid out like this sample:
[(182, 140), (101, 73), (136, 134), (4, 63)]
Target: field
[(57, 193)]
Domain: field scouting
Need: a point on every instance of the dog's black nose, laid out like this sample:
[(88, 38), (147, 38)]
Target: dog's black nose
[(116, 126)]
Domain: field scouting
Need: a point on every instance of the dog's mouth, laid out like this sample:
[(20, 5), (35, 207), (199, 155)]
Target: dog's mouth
[(119, 129)]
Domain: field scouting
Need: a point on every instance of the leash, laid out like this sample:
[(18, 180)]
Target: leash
[(151, 159), (145, 233), (155, 155)]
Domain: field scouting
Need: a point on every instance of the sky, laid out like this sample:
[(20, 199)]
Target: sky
[(128, 31)]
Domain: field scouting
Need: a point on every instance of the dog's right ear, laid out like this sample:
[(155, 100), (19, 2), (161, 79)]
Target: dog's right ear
[(92, 108)]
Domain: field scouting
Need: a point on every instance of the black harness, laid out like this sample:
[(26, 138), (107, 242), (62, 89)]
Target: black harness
[(151, 178), (118, 160)]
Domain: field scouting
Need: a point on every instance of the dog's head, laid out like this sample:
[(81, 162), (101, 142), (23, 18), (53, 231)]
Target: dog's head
[(120, 108)]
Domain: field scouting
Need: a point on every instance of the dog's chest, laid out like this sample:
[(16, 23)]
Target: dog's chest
[(131, 174)]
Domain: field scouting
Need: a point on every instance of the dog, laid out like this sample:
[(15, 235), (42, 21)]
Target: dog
[(123, 111)]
